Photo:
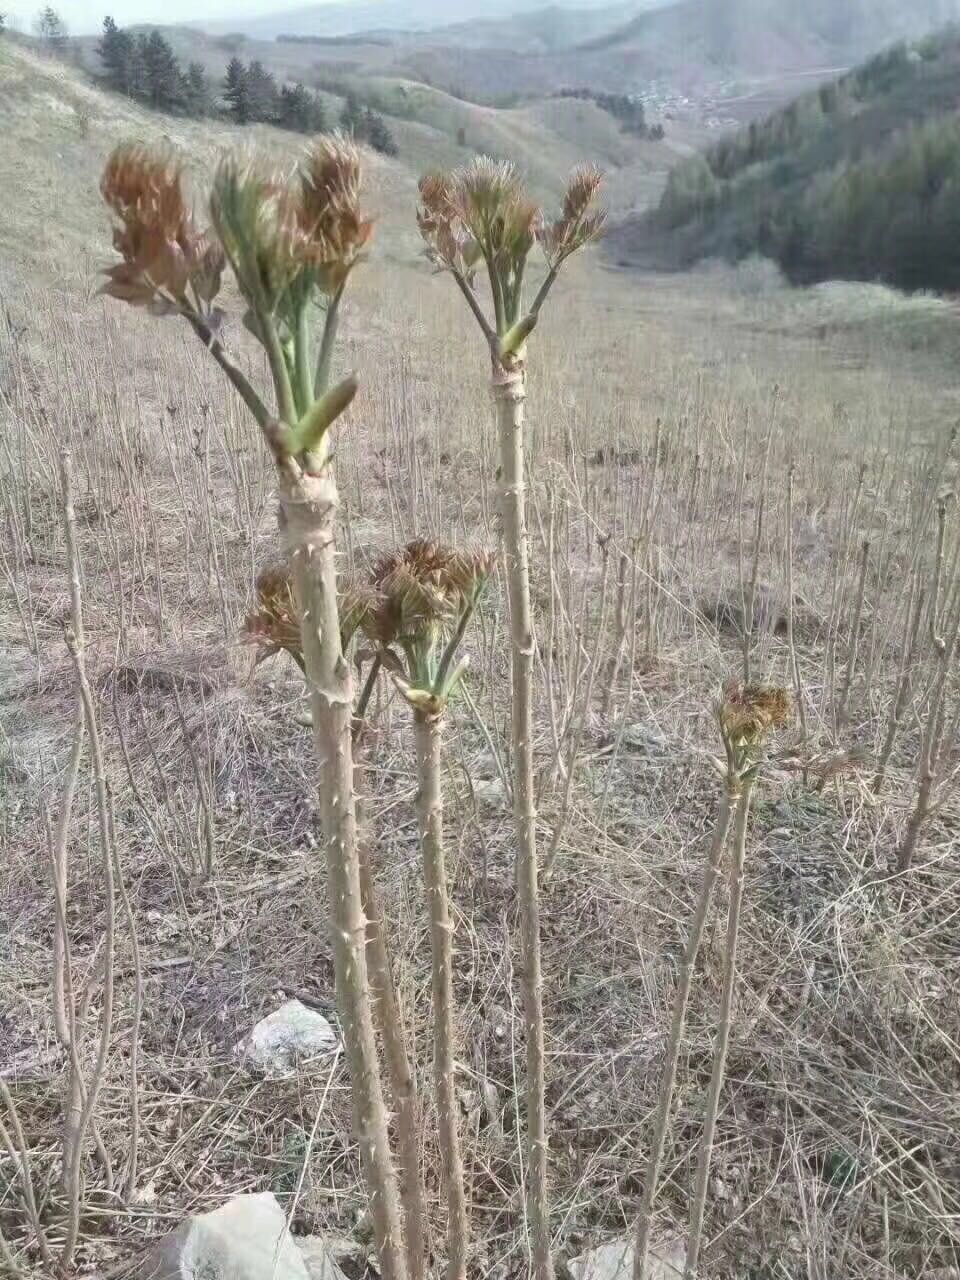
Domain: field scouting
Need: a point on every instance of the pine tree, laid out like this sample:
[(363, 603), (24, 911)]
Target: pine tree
[(377, 134), (296, 109), (351, 117), (51, 28), (236, 91), (196, 90), (318, 122), (262, 93), (117, 50), (164, 86)]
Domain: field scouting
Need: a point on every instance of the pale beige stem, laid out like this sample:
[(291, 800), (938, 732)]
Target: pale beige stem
[(668, 1078), (509, 394), (406, 1104), (308, 514), (723, 1031), (427, 731)]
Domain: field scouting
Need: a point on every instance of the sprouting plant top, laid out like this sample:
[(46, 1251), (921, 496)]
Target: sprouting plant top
[(747, 713), (481, 215), (414, 609), (291, 241)]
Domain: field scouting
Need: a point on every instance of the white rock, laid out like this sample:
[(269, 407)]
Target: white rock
[(491, 792), (614, 1261), (290, 1033), (245, 1239), (645, 739), (318, 1254)]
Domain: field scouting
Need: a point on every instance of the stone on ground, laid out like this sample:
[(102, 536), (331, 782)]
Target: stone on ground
[(245, 1239), (614, 1261), (320, 1255), (291, 1033)]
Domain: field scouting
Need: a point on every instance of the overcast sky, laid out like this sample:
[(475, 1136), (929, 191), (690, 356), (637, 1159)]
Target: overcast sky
[(83, 16)]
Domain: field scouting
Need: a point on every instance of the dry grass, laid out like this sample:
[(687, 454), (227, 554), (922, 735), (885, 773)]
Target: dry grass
[(837, 1151)]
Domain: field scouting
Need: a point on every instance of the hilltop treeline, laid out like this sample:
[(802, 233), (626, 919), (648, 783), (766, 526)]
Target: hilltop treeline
[(859, 180), (144, 66)]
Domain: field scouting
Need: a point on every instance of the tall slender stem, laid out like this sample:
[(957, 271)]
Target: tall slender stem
[(308, 508), (729, 798), (406, 1103), (427, 731), (723, 1029), (509, 394)]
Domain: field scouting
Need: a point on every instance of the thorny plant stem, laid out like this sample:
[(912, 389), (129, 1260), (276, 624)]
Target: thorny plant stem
[(509, 394), (729, 799), (308, 512), (427, 731), (406, 1103), (723, 1030)]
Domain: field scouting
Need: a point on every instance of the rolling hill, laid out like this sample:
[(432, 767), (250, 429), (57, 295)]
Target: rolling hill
[(338, 19), (859, 180)]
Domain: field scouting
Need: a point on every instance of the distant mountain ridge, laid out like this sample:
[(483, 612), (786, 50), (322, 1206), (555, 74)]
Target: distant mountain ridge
[(342, 19)]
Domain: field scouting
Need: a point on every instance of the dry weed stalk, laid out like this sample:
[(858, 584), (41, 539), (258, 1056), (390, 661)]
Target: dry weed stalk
[(745, 715), (482, 216), (291, 243), (944, 629)]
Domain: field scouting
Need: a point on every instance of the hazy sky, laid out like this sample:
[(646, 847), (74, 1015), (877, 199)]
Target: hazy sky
[(83, 16)]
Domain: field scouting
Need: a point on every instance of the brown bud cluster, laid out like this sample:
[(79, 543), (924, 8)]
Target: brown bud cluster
[(163, 253), (748, 712), (275, 623), (580, 221), (423, 586)]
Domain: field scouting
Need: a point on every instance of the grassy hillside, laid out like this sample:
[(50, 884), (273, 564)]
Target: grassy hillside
[(651, 401), (859, 180)]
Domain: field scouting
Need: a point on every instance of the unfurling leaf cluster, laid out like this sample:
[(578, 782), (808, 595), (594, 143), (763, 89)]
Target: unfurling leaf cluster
[(747, 713), (482, 214), (291, 241), (413, 608)]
